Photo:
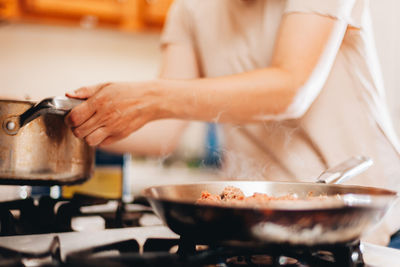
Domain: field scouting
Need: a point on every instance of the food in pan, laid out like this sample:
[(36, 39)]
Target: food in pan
[(233, 196)]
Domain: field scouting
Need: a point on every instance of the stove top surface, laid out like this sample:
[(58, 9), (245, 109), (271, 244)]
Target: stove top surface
[(137, 240)]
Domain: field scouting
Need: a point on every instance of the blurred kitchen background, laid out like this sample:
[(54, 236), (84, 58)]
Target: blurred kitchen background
[(48, 47)]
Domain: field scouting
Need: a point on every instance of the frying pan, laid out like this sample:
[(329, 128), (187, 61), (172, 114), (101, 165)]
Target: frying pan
[(342, 215)]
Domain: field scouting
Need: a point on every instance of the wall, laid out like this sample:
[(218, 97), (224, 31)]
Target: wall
[(42, 61)]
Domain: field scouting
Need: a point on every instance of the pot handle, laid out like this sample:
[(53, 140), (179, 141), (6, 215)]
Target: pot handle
[(345, 170), (59, 105)]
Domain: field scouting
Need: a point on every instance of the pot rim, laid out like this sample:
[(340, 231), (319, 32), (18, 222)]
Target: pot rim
[(17, 101)]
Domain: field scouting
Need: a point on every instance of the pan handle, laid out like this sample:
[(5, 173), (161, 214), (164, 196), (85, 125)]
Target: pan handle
[(345, 170)]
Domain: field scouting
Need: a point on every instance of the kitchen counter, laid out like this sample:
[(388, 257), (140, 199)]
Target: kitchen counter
[(376, 256)]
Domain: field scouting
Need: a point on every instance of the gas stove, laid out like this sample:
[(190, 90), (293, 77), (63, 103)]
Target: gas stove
[(86, 231)]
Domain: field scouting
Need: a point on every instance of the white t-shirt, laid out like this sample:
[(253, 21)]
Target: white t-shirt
[(346, 116)]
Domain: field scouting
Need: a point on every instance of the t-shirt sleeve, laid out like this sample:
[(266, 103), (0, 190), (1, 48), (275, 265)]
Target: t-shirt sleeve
[(349, 11), (177, 28)]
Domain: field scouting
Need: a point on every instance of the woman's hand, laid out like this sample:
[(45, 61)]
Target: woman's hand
[(113, 111)]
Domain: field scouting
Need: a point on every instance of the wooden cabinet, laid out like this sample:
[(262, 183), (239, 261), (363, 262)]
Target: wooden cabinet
[(8, 9), (103, 9), (155, 11), (130, 15), (116, 13)]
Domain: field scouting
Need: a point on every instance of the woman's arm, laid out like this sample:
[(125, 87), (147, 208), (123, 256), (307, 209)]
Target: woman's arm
[(304, 52)]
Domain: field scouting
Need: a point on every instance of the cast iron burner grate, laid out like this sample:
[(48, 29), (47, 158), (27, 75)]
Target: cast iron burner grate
[(157, 252), (49, 257), (48, 215)]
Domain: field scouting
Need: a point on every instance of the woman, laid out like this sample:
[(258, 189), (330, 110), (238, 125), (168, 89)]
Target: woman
[(295, 83)]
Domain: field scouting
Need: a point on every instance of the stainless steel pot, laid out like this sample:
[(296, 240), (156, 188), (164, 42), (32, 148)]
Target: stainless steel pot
[(36, 147)]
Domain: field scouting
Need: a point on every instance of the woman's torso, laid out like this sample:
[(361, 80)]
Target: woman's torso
[(349, 116), (346, 118)]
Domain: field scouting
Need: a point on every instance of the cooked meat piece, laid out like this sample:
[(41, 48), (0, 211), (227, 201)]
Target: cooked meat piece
[(260, 198), (231, 192), (233, 196), (208, 198)]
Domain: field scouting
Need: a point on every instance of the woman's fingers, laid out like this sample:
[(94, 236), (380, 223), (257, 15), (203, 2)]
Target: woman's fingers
[(119, 133), (80, 114), (87, 109), (86, 91), (88, 126), (96, 137), (109, 140), (81, 93), (114, 138)]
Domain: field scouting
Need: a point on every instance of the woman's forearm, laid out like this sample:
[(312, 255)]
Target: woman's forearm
[(241, 98), (305, 49)]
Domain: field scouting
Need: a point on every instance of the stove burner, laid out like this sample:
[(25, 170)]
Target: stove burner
[(13, 258), (48, 215)]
